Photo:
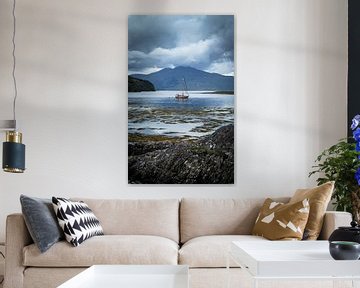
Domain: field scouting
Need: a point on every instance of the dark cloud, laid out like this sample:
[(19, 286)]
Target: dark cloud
[(148, 32), (224, 26), (203, 42)]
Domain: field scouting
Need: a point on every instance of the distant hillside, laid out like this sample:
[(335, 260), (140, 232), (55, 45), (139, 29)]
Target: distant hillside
[(138, 85), (197, 80)]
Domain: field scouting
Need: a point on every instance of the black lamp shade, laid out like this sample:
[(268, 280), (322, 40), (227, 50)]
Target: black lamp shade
[(13, 157)]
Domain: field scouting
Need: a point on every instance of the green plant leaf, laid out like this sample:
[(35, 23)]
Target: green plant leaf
[(338, 163)]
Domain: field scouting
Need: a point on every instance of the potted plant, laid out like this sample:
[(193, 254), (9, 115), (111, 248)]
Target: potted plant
[(341, 163)]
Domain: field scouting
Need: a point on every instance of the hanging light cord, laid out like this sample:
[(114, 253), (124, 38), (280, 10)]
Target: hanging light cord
[(14, 61)]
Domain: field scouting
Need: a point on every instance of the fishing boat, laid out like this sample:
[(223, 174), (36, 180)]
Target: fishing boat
[(184, 94)]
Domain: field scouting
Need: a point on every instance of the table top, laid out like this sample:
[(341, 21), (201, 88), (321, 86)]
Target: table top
[(131, 276), (291, 259)]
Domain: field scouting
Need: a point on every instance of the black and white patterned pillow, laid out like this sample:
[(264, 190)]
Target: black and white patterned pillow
[(77, 220)]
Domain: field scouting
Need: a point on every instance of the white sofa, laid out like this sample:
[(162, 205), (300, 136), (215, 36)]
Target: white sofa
[(194, 232)]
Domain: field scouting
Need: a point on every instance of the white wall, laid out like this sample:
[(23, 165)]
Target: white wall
[(291, 59)]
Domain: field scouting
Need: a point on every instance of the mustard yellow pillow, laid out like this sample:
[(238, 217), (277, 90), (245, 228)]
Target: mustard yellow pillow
[(319, 198), (279, 221)]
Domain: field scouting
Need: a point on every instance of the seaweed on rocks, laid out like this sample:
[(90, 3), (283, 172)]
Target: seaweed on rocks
[(208, 160)]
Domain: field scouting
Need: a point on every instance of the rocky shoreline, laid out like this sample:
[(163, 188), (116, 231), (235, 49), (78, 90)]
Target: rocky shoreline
[(208, 160)]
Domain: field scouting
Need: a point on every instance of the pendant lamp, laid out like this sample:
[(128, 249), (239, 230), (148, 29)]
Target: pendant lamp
[(13, 159)]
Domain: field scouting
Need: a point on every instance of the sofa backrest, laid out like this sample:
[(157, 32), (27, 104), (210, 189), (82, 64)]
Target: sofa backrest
[(200, 217), (159, 217)]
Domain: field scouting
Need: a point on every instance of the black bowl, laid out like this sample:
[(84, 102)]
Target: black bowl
[(344, 250)]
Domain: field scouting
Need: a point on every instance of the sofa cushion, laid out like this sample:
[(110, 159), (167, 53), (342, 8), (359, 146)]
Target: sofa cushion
[(107, 249), (41, 221), (158, 217), (35, 277), (200, 217), (211, 251), (77, 220), (319, 198), (279, 221)]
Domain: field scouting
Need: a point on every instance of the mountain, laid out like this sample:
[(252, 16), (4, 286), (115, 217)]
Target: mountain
[(196, 80), (138, 85)]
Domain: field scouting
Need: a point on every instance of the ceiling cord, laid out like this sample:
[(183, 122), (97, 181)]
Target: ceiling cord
[(14, 61)]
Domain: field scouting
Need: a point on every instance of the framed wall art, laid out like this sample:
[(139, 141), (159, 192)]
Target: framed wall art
[(181, 99)]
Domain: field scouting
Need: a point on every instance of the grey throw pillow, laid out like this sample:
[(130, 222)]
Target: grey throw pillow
[(41, 221)]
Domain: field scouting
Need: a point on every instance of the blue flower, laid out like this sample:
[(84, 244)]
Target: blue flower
[(355, 122), (357, 176), (355, 126), (356, 134)]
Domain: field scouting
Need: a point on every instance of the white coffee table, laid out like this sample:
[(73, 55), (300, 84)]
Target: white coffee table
[(285, 260), (131, 276)]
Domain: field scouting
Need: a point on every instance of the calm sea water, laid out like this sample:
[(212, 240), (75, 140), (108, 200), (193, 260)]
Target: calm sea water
[(159, 113)]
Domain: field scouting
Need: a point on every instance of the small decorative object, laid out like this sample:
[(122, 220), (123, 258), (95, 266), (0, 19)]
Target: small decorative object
[(341, 163), (344, 250), (344, 233)]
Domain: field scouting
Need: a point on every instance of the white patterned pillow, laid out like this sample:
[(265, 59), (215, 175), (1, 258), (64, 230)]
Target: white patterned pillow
[(77, 220)]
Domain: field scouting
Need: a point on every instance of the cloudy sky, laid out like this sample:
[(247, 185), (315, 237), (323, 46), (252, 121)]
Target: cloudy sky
[(202, 42)]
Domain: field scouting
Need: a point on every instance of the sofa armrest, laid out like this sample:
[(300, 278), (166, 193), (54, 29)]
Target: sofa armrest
[(333, 220), (17, 237)]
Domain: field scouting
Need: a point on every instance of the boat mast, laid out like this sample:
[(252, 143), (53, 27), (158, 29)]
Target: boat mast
[(186, 89), (184, 94)]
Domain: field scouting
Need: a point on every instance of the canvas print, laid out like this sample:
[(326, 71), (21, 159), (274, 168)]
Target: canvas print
[(181, 99)]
